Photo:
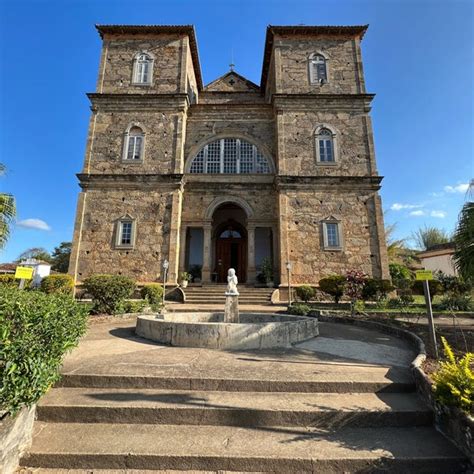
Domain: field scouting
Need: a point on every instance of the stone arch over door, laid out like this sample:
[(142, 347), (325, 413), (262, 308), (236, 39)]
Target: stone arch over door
[(219, 201)]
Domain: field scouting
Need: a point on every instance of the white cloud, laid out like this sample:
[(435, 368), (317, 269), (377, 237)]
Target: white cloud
[(398, 207), (459, 188), (37, 224), (417, 213), (441, 214)]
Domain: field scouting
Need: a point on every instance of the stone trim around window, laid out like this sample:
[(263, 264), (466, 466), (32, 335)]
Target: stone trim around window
[(134, 80), (126, 141), (335, 145), (314, 81), (328, 224), (125, 233)]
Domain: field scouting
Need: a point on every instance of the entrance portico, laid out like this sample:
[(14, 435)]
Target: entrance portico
[(229, 237)]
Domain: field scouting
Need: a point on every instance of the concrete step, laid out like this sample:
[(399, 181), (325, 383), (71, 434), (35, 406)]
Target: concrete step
[(366, 382), (275, 449), (85, 405)]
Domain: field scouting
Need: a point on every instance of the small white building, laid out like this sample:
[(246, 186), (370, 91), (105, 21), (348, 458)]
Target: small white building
[(41, 269), (439, 258)]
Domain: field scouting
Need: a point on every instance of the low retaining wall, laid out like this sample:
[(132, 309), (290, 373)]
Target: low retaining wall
[(451, 421), (15, 438), (255, 330)]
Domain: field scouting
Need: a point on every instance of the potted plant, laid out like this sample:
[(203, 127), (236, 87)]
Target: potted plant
[(184, 278), (267, 271)]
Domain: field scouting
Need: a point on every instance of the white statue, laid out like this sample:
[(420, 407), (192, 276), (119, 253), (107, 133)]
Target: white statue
[(232, 283)]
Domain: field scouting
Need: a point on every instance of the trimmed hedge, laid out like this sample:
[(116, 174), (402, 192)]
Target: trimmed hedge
[(153, 293), (334, 286), (8, 279), (109, 292), (58, 283), (36, 330), (305, 293), (435, 287)]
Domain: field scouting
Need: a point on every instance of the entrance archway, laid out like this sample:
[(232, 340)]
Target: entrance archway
[(229, 242)]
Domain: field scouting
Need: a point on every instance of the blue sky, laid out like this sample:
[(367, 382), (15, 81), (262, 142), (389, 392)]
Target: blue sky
[(418, 57)]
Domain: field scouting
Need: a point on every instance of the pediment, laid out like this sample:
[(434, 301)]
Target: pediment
[(231, 82)]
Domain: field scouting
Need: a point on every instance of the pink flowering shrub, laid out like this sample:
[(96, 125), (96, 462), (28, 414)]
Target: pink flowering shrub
[(355, 282)]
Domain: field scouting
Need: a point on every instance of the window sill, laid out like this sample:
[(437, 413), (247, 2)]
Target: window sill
[(142, 84), (327, 163), (132, 162), (124, 247), (333, 249)]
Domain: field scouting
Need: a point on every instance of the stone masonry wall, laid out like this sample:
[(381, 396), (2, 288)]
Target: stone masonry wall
[(306, 209), (117, 74), (342, 65), (152, 210), (204, 125), (160, 130), (299, 144)]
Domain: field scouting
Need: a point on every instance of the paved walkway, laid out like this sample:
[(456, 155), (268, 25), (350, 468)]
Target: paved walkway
[(339, 354)]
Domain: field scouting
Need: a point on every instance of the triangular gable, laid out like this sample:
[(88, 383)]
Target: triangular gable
[(231, 82)]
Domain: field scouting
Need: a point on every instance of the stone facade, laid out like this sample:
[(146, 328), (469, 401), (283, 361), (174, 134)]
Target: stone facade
[(184, 216)]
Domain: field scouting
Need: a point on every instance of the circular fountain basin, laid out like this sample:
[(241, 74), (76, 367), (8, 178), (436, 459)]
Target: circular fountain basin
[(254, 331)]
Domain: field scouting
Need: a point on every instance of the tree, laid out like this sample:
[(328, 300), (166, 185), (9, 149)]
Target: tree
[(38, 253), (61, 256), (7, 213), (394, 246), (464, 242), (427, 237)]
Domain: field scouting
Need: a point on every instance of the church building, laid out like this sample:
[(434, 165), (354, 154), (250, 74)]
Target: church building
[(232, 173)]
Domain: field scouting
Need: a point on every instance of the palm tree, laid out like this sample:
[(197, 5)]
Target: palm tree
[(426, 237), (7, 213), (464, 242)]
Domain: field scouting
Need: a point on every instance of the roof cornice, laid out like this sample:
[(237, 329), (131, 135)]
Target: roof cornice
[(187, 30), (357, 31)]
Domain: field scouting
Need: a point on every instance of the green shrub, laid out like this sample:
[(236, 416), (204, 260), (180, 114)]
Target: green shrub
[(434, 285), (153, 293), (108, 292), (359, 307), (134, 306), (299, 309), (399, 272), (305, 293), (375, 289), (334, 286), (403, 301), (8, 279), (453, 285), (453, 302), (36, 330), (454, 380), (58, 283)]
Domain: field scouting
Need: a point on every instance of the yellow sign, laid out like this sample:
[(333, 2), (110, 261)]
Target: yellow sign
[(424, 275), (24, 273)]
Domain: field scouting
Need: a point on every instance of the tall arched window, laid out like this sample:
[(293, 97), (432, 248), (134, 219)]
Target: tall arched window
[(230, 156), (325, 146), (143, 69), (318, 69), (134, 141)]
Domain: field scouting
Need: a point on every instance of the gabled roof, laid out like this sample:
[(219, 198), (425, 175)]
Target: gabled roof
[(231, 82), (351, 31), (159, 29)]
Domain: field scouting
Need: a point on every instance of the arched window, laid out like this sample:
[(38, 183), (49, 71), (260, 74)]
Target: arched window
[(143, 69), (325, 146), (134, 145), (230, 156), (318, 73)]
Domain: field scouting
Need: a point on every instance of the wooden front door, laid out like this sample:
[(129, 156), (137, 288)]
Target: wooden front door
[(231, 252)]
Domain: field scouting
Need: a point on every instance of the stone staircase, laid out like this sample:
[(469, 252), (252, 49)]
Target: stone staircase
[(135, 424), (214, 295)]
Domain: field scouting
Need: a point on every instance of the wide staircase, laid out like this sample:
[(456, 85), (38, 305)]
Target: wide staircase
[(214, 295), (196, 423)]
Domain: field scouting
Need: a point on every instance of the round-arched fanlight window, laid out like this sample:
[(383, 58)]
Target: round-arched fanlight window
[(230, 156)]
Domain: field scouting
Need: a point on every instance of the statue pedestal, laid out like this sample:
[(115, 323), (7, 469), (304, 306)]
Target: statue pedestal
[(231, 311)]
